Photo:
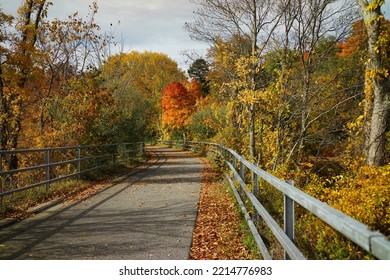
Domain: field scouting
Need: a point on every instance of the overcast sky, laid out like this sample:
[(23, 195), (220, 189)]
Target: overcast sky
[(153, 25)]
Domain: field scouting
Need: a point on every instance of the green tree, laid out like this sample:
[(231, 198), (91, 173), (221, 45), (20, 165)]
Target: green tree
[(199, 71)]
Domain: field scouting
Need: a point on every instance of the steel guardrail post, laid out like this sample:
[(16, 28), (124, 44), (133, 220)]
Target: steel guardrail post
[(142, 148), (47, 162), (242, 175), (289, 219), (124, 156), (1, 183), (127, 153), (79, 163), (256, 192)]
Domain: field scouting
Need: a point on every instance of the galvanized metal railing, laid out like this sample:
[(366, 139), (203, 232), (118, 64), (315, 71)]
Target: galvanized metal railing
[(68, 161), (371, 241)]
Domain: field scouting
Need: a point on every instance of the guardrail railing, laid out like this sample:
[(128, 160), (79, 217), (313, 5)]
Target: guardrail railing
[(41, 167), (371, 241)]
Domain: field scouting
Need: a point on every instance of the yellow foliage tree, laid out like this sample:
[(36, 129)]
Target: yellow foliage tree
[(146, 73)]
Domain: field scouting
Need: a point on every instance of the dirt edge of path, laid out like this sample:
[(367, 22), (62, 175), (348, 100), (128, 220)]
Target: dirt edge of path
[(218, 232)]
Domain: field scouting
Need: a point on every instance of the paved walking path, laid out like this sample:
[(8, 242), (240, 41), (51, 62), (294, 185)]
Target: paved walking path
[(149, 215)]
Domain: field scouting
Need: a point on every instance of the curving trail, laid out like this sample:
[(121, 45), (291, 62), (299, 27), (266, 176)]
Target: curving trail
[(149, 214)]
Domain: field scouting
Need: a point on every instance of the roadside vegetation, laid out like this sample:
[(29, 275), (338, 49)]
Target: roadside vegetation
[(300, 88)]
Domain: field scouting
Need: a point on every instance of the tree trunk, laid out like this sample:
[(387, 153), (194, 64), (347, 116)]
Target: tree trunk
[(305, 106), (376, 146), (13, 107), (3, 112), (252, 107), (377, 106), (252, 143)]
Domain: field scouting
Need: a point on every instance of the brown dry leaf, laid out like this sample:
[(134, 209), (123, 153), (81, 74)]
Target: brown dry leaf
[(217, 234)]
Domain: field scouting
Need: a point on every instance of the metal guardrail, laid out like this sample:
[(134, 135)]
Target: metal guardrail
[(371, 241), (74, 161)]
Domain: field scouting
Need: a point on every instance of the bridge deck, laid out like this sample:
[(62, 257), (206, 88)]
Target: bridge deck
[(148, 215)]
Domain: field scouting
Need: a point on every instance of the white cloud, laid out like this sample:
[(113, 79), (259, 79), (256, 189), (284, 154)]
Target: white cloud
[(153, 25)]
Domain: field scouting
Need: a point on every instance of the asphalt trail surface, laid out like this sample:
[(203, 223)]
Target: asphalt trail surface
[(149, 214)]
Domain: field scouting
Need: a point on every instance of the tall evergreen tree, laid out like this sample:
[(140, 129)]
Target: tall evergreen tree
[(199, 71)]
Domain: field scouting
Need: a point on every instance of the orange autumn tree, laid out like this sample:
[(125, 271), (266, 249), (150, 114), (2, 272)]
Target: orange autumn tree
[(178, 104)]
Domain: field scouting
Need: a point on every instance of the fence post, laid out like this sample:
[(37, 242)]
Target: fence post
[(127, 153), (289, 219), (142, 149), (242, 170), (1, 183), (123, 156), (47, 162), (79, 163), (255, 183), (242, 175)]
